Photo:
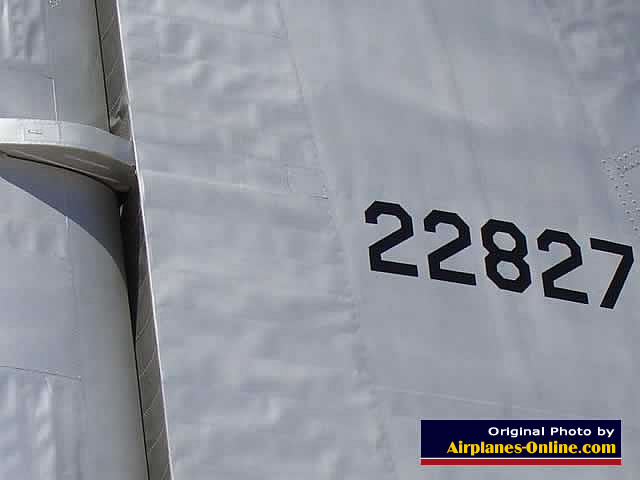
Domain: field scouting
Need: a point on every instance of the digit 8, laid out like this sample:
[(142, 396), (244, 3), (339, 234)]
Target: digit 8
[(514, 256)]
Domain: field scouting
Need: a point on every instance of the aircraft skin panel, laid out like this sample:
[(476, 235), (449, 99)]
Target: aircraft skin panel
[(506, 136), (347, 216), (599, 44), (50, 62), (68, 395), (265, 130), (297, 340), (69, 401)]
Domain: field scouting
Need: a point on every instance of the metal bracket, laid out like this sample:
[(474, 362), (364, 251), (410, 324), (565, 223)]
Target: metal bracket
[(76, 147)]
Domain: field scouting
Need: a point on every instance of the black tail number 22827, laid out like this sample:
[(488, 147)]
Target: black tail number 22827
[(495, 254)]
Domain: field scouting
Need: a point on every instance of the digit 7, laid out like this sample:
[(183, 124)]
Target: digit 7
[(621, 273)]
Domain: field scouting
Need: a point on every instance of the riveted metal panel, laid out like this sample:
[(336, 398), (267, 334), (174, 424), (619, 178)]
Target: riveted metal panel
[(263, 132)]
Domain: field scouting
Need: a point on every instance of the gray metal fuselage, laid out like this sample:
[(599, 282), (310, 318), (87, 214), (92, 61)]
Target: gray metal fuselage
[(281, 328)]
